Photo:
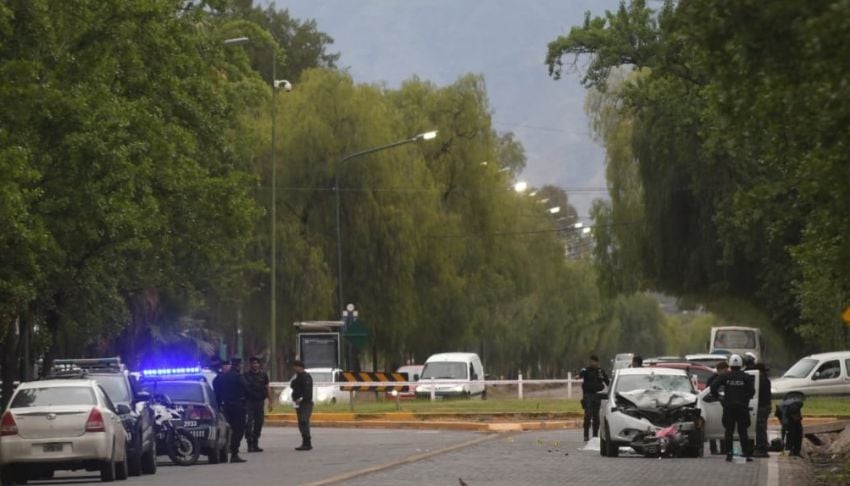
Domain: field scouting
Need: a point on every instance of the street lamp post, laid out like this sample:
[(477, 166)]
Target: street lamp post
[(418, 138), (276, 84)]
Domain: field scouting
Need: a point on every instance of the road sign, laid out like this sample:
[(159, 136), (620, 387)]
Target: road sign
[(846, 316), (357, 334), (365, 377)]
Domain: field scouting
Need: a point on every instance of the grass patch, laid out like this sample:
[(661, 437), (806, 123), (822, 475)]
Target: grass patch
[(455, 406), (827, 406), (814, 406)]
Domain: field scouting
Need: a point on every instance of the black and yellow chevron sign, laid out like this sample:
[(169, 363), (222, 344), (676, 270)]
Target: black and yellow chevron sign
[(373, 377)]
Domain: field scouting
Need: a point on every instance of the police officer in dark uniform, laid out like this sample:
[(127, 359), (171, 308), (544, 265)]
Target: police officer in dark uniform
[(739, 389), (231, 393), (258, 391), (302, 400), (764, 404), (594, 380)]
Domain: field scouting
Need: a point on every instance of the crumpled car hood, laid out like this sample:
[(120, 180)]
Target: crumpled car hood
[(658, 399)]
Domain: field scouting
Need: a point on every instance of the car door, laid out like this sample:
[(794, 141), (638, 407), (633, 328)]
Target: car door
[(712, 411), (826, 380)]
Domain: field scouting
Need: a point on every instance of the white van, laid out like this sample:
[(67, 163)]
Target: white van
[(736, 340), (818, 374), (452, 374)]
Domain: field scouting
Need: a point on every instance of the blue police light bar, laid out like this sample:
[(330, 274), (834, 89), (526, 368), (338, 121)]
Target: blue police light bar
[(172, 371)]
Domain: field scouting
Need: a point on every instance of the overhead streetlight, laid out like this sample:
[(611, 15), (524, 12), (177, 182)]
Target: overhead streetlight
[(578, 225), (287, 86), (554, 210), (520, 186), (585, 231), (236, 41), (418, 138)]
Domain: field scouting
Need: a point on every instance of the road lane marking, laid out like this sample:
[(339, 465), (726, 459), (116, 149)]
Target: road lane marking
[(407, 460), (773, 470)]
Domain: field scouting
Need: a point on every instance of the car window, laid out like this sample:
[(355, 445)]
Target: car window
[(827, 371), (735, 338), (177, 391), (106, 401), (444, 370), (115, 387), (679, 383), (801, 369), (323, 377), (51, 396), (847, 367)]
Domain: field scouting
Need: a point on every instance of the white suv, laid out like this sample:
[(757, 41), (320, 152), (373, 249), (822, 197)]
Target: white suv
[(61, 424)]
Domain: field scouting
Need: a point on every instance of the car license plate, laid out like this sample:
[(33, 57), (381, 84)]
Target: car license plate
[(53, 447), (190, 423)]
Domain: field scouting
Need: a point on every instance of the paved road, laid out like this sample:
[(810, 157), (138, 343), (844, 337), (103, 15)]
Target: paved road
[(550, 457)]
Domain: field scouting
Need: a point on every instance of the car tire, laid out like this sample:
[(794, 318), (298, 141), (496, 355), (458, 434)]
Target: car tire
[(122, 468), (149, 460), (107, 471), (13, 475), (612, 448), (134, 460)]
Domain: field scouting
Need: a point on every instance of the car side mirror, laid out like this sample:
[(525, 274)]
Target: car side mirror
[(123, 409), (143, 396)]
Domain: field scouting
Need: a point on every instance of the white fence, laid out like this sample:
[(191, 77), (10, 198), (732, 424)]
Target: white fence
[(569, 382)]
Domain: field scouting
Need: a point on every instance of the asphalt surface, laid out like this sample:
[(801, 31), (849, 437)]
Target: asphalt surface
[(391, 457)]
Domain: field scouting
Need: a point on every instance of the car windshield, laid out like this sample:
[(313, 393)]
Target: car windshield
[(322, 377), (801, 369), (177, 391), (46, 397), (444, 370), (735, 339), (115, 387), (679, 383)]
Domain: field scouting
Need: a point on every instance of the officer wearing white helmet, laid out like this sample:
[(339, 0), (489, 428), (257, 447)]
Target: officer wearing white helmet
[(764, 405), (739, 389)]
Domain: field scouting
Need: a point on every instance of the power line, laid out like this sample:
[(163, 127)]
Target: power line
[(534, 232)]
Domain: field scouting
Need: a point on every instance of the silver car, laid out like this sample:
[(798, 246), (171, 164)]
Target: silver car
[(61, 424)]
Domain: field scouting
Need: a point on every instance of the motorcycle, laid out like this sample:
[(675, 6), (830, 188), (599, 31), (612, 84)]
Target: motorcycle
[(180, 445)]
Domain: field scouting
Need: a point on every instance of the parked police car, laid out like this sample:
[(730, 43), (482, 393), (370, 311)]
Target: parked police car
[(189, 391)]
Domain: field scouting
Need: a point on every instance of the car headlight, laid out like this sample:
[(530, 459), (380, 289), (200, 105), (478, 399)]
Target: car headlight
[(394, 393)]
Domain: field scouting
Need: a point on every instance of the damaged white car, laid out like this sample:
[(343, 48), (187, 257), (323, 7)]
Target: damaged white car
[(654, 411)]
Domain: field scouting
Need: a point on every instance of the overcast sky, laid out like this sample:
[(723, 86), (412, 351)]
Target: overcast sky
[(505, 40)]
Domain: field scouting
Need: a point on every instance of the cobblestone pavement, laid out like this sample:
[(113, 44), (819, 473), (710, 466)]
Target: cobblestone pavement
[(336, 451), (548, 458), (529, 458)]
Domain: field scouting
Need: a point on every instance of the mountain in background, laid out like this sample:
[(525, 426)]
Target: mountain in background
[(388, 41)]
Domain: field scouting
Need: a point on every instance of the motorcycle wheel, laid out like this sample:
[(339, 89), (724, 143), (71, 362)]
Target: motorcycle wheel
[(183, 448)]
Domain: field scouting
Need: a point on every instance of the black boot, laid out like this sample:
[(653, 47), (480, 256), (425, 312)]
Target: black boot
[(257, 447), (235, 458), (305, 446)]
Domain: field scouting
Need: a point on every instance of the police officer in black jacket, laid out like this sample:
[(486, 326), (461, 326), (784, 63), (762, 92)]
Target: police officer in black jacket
[(231, 391), (739, 389), (594, 380), (258, 391), (302, 400)]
